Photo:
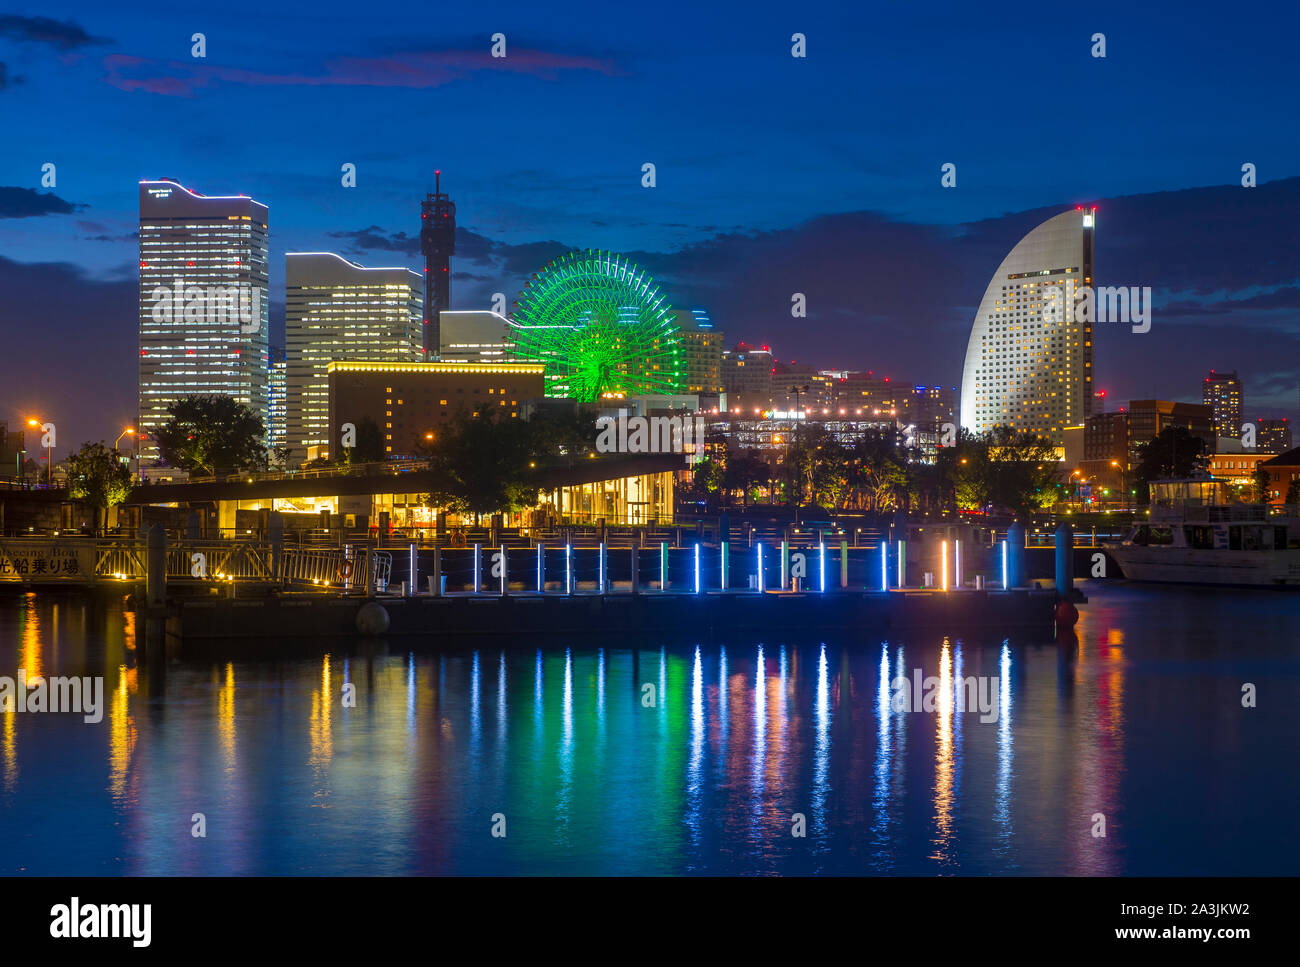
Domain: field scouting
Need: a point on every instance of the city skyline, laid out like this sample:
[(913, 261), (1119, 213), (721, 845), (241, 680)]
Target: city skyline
[(891, 262)]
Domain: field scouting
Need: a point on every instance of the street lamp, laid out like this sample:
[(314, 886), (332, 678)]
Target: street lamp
[(796, 390), (129, 431), (49, 455)]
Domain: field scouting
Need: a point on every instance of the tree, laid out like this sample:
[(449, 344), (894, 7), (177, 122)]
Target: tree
[(708, 478), (745, 471), (878, 475), (1261, 483), (1173, 453), (1292, 493), (1013, 471), (97, 475), (208, 434), (486, 462), (369, 444)]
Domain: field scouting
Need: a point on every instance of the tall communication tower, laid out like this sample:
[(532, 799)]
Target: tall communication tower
[(438, 243)]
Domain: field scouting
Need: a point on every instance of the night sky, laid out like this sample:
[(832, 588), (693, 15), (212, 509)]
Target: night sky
[(775, 175)]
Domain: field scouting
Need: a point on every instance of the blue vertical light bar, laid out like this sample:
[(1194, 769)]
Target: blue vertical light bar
[(884, 565), (541, 580), (902, 563), (822, 563), (956, 564), (1004, 565), (760, 568), (723, 571), (478, 568), (697, 568), (663, 566), (568, 568), (413, 586)]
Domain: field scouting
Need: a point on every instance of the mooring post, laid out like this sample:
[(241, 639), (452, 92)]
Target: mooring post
[(1064, 560), (844, 564), (1016, 555), (156, 567), (602, 563), (541, 568)]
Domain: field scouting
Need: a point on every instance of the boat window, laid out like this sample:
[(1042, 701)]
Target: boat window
[(1162, 535), (1279, 538), (1234, 538), (1142, 536), (1201, 538)]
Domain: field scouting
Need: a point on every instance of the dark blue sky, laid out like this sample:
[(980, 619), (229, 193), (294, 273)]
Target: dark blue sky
[(775, 174)]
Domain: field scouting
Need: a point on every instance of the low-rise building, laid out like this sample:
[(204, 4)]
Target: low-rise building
[(409, 401)]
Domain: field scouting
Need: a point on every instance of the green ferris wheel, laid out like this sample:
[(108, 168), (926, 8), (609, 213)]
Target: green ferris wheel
[(601, 327)]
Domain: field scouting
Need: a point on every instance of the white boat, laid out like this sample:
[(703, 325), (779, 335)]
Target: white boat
[(1192, 536)]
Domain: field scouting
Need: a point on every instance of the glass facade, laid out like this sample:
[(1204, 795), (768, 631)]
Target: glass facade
[(336, 310), (1029, 359), (203, 302)]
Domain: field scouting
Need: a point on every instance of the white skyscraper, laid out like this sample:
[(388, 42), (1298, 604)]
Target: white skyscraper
[(337, 311), (203, 302), (1029, 367)]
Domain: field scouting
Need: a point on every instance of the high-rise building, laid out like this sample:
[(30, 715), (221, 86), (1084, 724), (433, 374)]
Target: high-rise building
[(1147, 419), (933, 405), (276, 408), (475, 336), (336, 310), (1273, 436), (203, 302), (701, 352), (747, 377), (1107, 452), (1222, 392), (1029, 359)]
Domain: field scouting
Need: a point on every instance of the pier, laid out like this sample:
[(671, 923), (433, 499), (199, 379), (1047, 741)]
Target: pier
[(199, 592)]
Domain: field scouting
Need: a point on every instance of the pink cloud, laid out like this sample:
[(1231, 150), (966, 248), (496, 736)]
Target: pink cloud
[(416, 69)]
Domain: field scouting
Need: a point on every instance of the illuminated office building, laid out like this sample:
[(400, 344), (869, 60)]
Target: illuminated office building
[(1029, 359), (338, 310), (276, 408), (475, 336), (1222, 392), (701, 349), (203, 302)]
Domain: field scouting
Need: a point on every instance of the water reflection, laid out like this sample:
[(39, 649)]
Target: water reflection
[(615, 758)]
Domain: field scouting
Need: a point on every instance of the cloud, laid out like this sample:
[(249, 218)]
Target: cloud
[(29, 203), (60, 35), (409, 69), (7, 81), (90, 394)]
